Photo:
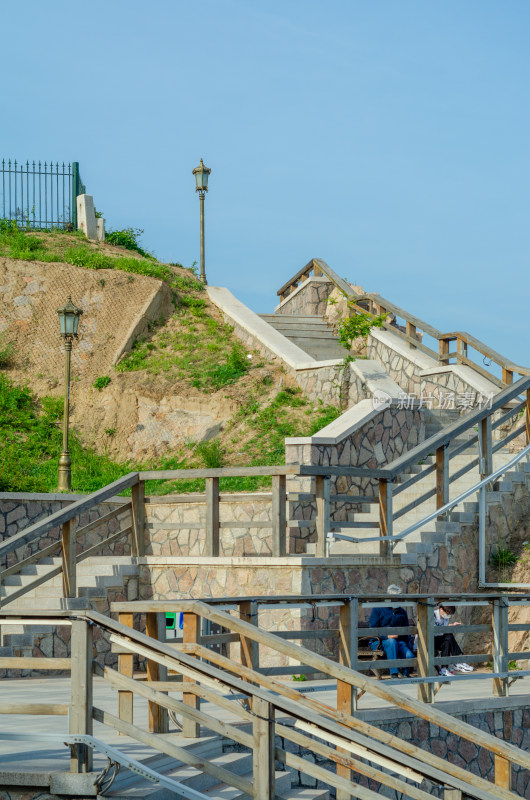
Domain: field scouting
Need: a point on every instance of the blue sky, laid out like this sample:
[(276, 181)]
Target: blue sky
[(389, 138)]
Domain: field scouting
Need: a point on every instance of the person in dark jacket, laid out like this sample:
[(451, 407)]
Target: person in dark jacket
[(395, 646)]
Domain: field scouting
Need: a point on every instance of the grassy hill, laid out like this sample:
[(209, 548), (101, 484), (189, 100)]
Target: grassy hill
[(192, 355)]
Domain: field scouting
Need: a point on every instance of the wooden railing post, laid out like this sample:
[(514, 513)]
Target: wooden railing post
[(69, 560), (263, 749), (279, 516), (425, 654), (507, 376), (190, 635), (126, 667), (249, 649), (138, 518), (346, 693), (485, 447), (155, 624), (442, 476), (322, 493), (411, 331), (500, 644), (443, 345), (452, 794), (212, 517), (81, 693), (503, 772), (461, 349), (385, 515), (528, 416)]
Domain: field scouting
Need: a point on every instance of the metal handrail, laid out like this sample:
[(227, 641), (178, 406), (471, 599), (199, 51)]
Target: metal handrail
[(439, 511), (113, 754)]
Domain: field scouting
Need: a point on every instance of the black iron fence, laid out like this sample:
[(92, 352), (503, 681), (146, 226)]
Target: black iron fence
[(40, 195)]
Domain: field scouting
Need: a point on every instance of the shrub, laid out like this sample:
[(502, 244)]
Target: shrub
[(211, 453), (503, 558), (101, 382), (128, 238)]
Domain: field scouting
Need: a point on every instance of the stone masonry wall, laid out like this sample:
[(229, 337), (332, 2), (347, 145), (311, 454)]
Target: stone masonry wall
[(408, 376), (19, 511), (512, 725), (310, 299)]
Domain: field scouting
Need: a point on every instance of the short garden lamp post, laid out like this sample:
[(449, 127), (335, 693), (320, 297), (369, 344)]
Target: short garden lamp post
[(201, 179), (69, 321)]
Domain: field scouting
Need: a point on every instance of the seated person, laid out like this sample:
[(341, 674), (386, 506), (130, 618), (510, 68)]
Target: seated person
[(445, 644), (395, 646)]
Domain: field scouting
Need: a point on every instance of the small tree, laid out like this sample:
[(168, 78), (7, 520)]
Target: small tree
[(355, 326)]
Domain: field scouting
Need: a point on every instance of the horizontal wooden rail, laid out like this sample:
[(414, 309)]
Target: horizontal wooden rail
[(40, 709), (377, 304), (71, 511)]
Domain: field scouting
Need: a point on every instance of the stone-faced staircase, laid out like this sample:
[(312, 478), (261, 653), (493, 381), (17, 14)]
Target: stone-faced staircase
[(423, 541), (309, 333), (99, 579), (128, 786)]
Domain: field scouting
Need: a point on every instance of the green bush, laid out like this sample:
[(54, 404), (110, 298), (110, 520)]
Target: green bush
[(31, 443), (101, 382), (503, 558), (128, 238), (211, 453)]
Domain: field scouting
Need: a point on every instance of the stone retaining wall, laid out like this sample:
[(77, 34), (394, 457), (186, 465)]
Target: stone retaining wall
[(20, 510), (310, 298), (511, 724)]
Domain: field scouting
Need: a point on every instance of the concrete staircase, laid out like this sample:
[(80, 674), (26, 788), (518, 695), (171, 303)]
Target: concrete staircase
[(309, 333), (96, 576), (129, 786), (426, 539)]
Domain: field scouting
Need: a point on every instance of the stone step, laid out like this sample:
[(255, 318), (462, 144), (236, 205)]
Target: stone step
[(293, 318)]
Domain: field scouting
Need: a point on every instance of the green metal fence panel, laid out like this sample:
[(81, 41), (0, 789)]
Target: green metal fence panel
[(40, 195)]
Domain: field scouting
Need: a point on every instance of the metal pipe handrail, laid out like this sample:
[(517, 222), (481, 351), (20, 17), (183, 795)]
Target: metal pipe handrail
[(439, 511)]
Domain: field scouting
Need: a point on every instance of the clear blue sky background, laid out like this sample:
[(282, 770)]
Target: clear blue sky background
[(390, 138)]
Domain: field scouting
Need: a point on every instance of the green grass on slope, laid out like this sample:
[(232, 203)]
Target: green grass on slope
[(24, 245), (195, 348), (31, 442)]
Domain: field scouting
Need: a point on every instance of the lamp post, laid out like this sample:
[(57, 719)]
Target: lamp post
[(201, 179), (69, 321)]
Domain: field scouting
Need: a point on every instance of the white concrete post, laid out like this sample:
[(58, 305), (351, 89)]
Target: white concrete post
[(100, 223), (86, 216)]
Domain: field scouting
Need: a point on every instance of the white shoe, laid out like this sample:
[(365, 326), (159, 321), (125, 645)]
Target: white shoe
[(446, 672), (464, 667)]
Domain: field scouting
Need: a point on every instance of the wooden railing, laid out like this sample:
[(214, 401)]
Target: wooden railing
[(253, 710), (356, 609), (392, 479), (375, 304), (484, 421), (66, 546)]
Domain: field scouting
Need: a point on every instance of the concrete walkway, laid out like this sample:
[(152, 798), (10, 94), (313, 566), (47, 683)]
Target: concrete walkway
[(470, 695)]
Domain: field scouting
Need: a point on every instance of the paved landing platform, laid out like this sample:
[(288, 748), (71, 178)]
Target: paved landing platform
[(460, 697)]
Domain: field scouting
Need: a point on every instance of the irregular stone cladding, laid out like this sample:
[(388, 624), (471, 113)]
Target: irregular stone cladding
[(382, 439), (511, 724), (408, 374), (166, 537), (20, 510), (310, 298)]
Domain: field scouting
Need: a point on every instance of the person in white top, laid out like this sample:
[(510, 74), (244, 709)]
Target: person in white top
[(445, 644)]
